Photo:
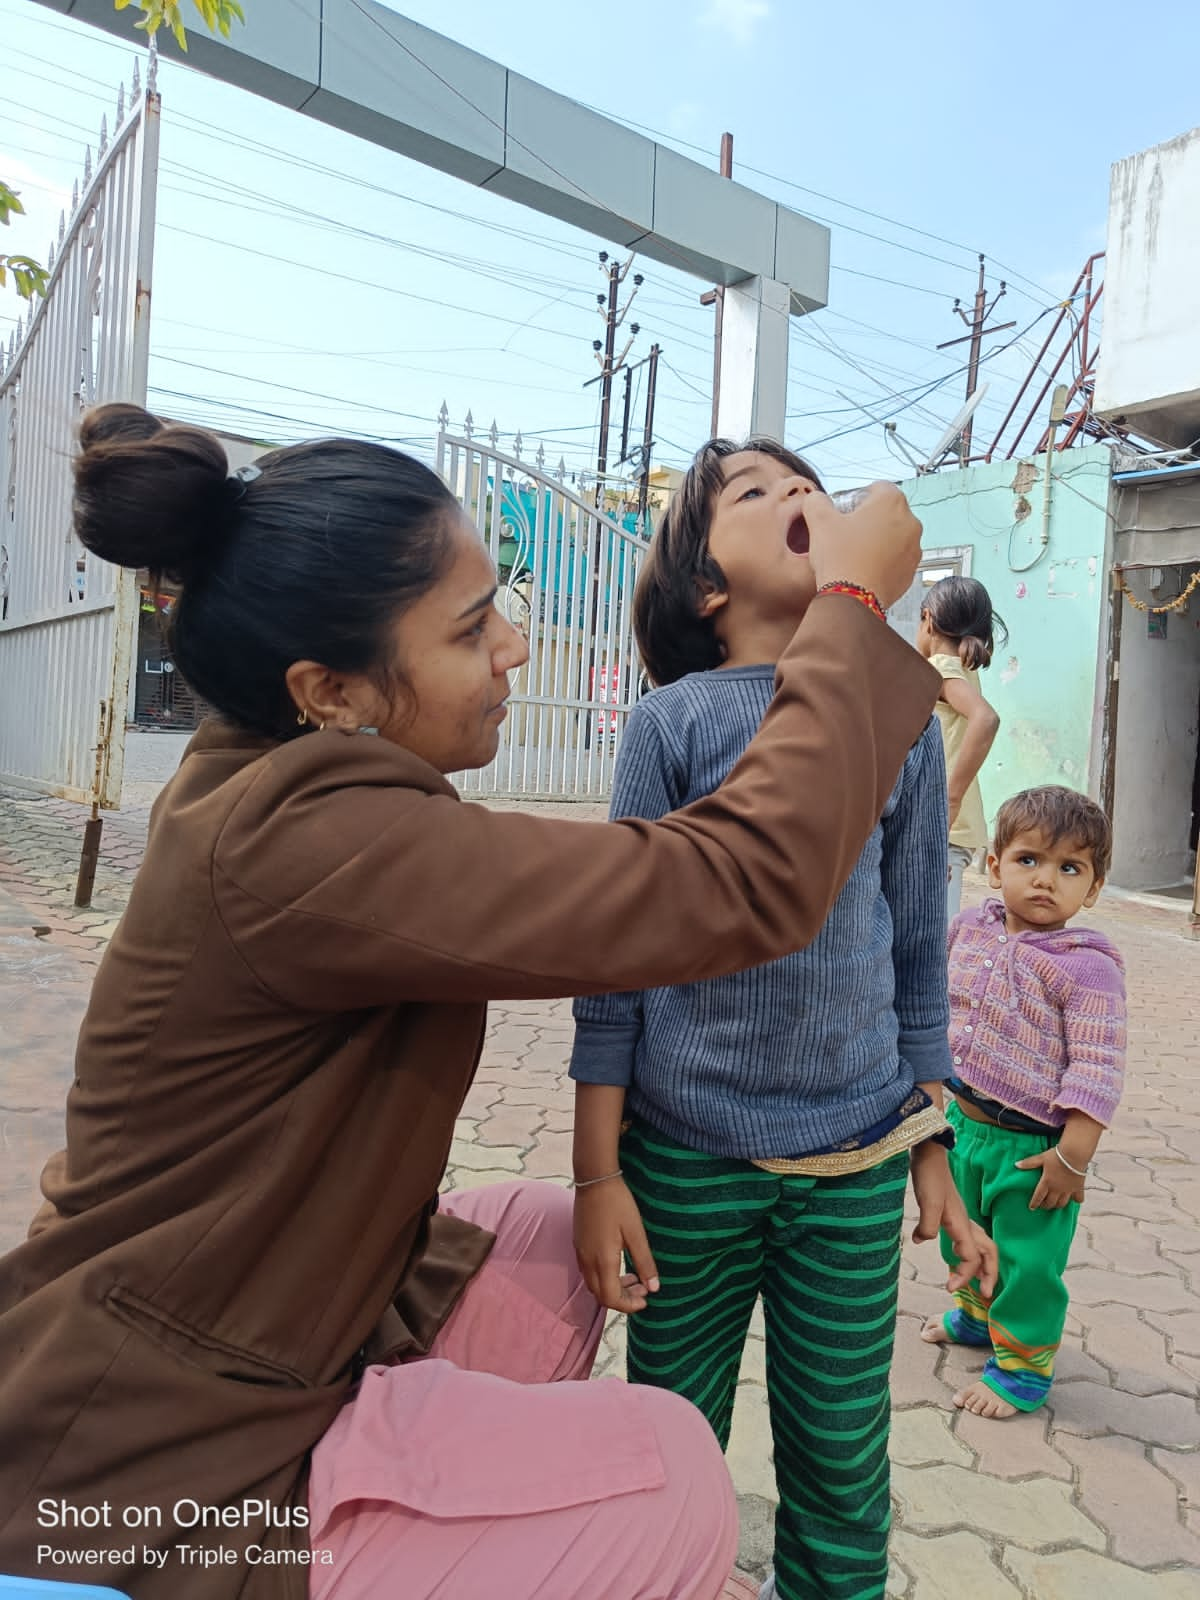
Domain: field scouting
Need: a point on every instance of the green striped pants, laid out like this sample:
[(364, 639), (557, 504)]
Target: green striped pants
[(824, 1253)]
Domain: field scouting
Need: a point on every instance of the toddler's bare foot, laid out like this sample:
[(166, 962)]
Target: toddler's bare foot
[(984, 1402), (934, 1332)]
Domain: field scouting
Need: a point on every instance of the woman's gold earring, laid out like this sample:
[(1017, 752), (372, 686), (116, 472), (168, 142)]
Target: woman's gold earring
[(302, 719)]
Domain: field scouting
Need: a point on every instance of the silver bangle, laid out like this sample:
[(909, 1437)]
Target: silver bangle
[(1068, 1165), (586, 1183)]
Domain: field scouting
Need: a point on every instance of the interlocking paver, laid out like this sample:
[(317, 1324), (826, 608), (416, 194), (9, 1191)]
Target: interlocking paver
[(1181, 1328), (1160, 1291), (1135, 1353), (1120, 1244), (550, 1156), (953, 1566), (921, 1437), (1039, 1512), (501, 1158), (749, 1453), (1020, 1449), (1089, 1409), (513, 1125), (533, 1095), (1083, 1575), (481, 1097), (1133, 1499), (915, 1367), (1183, 1467)]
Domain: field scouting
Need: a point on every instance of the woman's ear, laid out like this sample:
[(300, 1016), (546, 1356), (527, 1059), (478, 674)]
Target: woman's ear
[(328, 698)]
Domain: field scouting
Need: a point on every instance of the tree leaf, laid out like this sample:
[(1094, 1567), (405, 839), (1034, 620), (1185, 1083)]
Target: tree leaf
[(9, 204)]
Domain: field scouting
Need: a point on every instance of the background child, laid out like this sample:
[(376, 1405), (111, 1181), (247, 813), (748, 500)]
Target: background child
[(956, 635), (1038, 1034), (774, 1114)]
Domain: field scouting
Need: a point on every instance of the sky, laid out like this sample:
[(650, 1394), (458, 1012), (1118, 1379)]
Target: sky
[(309, 283)]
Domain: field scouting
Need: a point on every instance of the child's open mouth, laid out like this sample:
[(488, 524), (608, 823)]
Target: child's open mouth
[(797, 537)]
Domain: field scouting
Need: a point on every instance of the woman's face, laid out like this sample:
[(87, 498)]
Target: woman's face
[(453, 652)]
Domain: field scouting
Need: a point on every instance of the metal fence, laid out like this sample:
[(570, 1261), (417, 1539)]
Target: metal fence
[(567, 573), (66, 618)]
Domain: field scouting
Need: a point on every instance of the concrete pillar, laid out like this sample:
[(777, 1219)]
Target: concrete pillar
[(754, 359)]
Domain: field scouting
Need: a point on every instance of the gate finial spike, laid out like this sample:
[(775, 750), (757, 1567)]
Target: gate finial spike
[(75, 197), (121, 102), (444, 417), (493, 434), (517, 445), (62, 227), (87, 165), (152, 68), (540, 458), (560, 472), (50, 258), (469, 426), (103, 134), (137, 79)]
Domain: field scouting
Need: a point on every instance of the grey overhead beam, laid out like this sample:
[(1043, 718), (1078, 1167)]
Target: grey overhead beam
[(357, 66)]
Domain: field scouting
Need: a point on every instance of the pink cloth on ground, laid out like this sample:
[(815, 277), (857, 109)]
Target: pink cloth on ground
[(477, 1474)]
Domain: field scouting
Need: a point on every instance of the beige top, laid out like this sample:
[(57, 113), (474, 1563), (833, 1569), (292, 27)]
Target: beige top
[(970, 828)]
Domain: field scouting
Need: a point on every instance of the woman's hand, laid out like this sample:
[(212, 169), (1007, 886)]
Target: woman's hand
[(877, 545), (608, 1222), (941, 1207)]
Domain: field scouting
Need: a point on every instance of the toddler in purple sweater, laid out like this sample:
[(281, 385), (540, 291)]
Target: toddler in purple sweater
[(1037, 1034)]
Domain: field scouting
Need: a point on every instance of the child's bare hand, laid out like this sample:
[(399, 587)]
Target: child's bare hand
[(1057, 1186), (607, 1222), (940, 1208)]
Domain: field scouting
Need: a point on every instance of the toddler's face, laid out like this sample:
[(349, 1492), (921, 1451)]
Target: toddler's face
[(1043, 884)]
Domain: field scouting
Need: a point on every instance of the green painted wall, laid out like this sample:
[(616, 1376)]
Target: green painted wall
[(1053, 598)]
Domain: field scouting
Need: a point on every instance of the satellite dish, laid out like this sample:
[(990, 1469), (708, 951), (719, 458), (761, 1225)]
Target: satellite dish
[(950, 437)]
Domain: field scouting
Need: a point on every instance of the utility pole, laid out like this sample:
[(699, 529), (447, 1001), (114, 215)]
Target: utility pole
[(610, 363), (647, 436), (975, 322), (716, 297), (625, 418)]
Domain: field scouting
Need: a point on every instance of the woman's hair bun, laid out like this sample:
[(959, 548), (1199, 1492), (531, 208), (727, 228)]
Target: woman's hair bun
[(150, 494)]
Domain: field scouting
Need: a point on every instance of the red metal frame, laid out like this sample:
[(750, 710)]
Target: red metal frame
[(1080, 341)]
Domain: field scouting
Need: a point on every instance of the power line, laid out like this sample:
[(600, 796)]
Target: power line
[(848, 205), (334, 224), (789, 183)]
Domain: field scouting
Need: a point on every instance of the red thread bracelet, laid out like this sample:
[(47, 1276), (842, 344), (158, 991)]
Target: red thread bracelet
[(856, 592)]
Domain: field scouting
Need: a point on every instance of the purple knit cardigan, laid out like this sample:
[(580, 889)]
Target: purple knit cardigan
[(1037, 1020)]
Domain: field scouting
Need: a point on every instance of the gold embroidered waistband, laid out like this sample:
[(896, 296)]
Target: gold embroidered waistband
[(840, 1163)]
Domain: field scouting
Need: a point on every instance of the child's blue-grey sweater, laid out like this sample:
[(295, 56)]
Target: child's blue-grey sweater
[(800, 1054)]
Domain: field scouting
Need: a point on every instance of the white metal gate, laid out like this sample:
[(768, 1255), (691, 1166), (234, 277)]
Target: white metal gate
[(67, 619), (567, 573)]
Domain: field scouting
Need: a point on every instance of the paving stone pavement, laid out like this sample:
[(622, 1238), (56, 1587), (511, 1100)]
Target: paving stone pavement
[(1096, 1497)]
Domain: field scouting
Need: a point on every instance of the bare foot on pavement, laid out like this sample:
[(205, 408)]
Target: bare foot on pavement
[(984, 1402)]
